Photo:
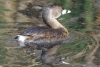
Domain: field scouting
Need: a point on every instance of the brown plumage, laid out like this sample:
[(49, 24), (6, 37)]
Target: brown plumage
[(48, 38), (44, 37)]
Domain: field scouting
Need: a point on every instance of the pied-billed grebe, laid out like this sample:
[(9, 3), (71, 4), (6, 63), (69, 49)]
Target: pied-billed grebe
[(48, 38)]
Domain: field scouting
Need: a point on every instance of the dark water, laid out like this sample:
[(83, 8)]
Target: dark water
[(13, 56)]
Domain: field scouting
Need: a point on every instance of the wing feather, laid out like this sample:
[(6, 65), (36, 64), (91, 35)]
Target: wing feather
[(45, 37)]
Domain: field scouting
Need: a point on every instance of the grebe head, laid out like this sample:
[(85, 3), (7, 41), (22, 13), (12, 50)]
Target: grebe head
[(50, 13), (54, 10)]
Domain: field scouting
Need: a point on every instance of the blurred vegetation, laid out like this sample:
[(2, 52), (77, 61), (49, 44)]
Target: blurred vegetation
[(3, 23), (73, 47), (83, 10), (2, 9), (76, 46), (64, 3), (89, 14), (2, 54), (81, 19)]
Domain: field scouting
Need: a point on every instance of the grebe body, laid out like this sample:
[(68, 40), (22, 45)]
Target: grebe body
[(48, 38)]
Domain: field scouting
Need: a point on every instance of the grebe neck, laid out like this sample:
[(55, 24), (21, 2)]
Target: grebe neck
[(52, 22)]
